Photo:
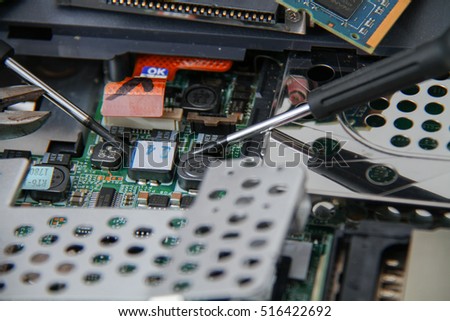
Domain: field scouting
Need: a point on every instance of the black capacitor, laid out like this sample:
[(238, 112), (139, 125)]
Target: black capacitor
[(105, 155), (192, 169), (201, 98), (59, 186)]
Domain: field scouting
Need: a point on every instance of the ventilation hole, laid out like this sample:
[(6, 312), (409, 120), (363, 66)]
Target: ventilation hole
[(154, 280), (48, 239), (215, 210), (109, 240), (170, 241), (143, 232), (181, 286), (39, 258), (431, 126), (2, 286), (448, 146), (251, 262), (277, 189), (257, 243), (246, 281), (92, 278), (162, 260), (57, 221), (403, 123), (406, 106), (265, 225), (14, 249), (117, 222), (428, 143), (217, 195), (266, 206), (321, 73), (237, 218), (251, 183), (244, 200), (411, 91), (178, 223), (23, 230), (188, 267), (203, 230), (249, 162), (216, 274), (434, 108), (6, 267), (196, 249), (135, 250), (83, 231), (381, 175), (101, 259), (375, 121), (224, 255), (379, 104), (230, 236), (127, 269), (400, 141), (74, 249), (57, 287), (230, 173), (437, 91), (65, 268)]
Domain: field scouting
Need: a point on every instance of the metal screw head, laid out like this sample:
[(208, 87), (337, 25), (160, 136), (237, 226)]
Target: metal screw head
[(293, 16)]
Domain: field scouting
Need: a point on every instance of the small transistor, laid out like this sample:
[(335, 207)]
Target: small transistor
[(56, 159)]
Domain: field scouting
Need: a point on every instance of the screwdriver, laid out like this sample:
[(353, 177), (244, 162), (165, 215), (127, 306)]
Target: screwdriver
[(6, 52), (397, 72)]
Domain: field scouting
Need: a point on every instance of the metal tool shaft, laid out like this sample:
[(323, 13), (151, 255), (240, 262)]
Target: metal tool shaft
[(59, 100)]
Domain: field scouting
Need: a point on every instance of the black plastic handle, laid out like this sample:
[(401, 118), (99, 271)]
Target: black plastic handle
[(381, 78), (6, 51)]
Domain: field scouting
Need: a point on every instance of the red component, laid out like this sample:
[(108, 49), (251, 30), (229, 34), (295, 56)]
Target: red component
[(173, 64), (298, 89)]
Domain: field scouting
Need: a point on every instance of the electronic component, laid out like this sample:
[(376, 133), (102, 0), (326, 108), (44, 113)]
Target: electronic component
[(11, 153), (128, 199), (164, 135), (105, 197), (156, 200), (56, 159), (192, 169), (106, 155), (152, 160), (170, 120), (203, 139), (212, 124), (175, 199), (187, 201), (143, 198), (201, 98), (77, 198), (363, 23), (48, 183)]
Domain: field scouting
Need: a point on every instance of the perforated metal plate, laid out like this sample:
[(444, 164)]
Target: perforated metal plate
[(226, 246), (414, 121)]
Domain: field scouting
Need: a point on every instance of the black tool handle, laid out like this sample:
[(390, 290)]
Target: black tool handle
[(6, 51), (384, 77)]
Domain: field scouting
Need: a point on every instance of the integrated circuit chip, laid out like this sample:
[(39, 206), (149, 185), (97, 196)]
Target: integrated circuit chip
[(343, 8), (105, 197)]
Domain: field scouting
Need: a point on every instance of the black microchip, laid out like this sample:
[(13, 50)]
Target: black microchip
[(187, 201), (12, 153), (156, 200), (56, 159), (343, 8), (105, 197)]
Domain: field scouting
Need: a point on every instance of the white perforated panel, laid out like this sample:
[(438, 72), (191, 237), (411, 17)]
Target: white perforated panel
[(226, 246)]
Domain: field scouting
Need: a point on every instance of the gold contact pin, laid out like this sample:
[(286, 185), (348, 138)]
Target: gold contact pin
[(165, 6), (232, 13), (158, 5), (209, 11), (180, 8), (254, 16), (150, 5), (269, 18), (239, 14), (224, 13), (202, 10), (261, 17), (172, 7), (217, 12), (194, 10), (247, 15), (187, 8)]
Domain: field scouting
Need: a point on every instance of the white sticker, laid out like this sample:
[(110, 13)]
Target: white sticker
[(154, 72), (154, 155), (38, 178)]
